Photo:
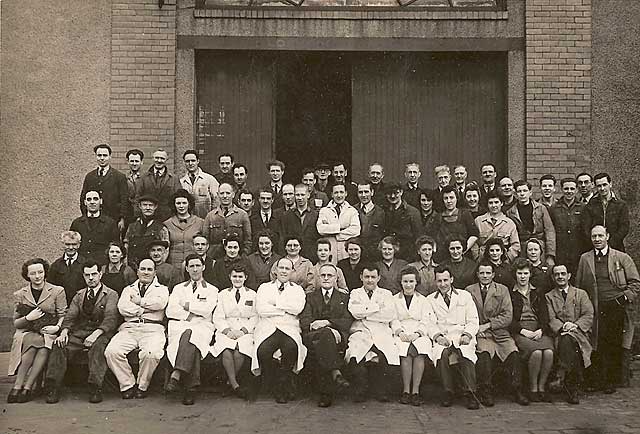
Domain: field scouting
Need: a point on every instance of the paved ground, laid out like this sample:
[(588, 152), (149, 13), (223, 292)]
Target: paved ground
[(619, 413)]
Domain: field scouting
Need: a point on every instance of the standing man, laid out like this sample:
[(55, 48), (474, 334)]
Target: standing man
[(225, 162), (460, 177), (566, 215), (488, 171), (338, 221), (402, 221), (495, 313), (532, 221), (110, 183), (548, 189), (317, 198), (339, 174), (371, 343), (506, 191), (266, 218), (276, 172), (225, 220), (200, 184), (67, 271), (325, 323), (452, 325), (288, 197), (244, 201), (134, 160), (412, 189), (201, 248), (322, 172), (607, 210), (301, 223), (90, 322), (372, 222), (159, 183), (570, 319), (585, 187), (145, 229), (612, 281), (443, 178), (240, 174), (376, 175), (96, 229), (142, 306)]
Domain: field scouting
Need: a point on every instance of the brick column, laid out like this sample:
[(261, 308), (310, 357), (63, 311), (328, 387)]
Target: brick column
[(143, 59), (558, 73)]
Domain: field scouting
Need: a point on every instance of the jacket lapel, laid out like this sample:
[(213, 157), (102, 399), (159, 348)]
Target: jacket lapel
[(29, 296), (46, 293)]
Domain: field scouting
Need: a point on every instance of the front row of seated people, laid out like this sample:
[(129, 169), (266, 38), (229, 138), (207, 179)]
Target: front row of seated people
[(464, 333)]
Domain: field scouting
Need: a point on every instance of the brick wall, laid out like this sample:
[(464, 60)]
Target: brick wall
[(558, 73), (143, 58)]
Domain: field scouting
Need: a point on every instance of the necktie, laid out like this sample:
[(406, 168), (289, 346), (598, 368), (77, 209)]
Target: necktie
[(276, 188), (447, 299), (265, 217), (370, 293), (564, 295), (281, 287), (194, 286), (326, 297), (238, 296), (483, 292), (100, 172), (68, 261), (90, 294), (143, 289), (338, 209), (192, 177)]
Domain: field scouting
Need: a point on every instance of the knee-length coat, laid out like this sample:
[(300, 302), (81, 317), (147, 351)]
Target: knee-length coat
[(235, 315), (411, 320)]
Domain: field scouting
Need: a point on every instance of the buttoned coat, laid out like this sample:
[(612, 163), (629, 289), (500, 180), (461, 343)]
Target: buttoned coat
[(338, 228), (103, 316), (372, 325), (411, 320), (338, 313), (453, 321), (96, 235), (372, 230), (113, 189), (570, 236), (623, 275), (577, 308), (204, 190), (181, 238), (279, 310), (235, 315), (70, 278), (306, 231), (152, 305), (217, 226), (52, 301), (313, 279), (274, 225), (497, 310), (162, 188), (615, 219), (195, 317), (390, 274), (543, 228), (504, 229)]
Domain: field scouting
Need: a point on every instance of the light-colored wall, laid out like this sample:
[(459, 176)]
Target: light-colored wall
[(54, 109)]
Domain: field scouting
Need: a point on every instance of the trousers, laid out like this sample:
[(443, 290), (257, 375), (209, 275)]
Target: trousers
[(57, 363)]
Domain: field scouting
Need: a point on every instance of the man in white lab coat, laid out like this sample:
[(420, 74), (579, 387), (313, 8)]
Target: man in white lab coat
[(278, 332), (371, 343), (338, 221)]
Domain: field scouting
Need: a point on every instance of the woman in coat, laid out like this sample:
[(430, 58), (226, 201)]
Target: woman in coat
[(235, 319), (301, 265), (232, 256), (540, 273), (410, 331), (182, 227), (530, 329), (496, 254), (40, 309), (113, 273), (390, 265)]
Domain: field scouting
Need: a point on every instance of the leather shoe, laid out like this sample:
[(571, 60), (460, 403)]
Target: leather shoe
[(341, 382), (572, 397), (535, 397), (471, 402), (129, 393), (140, 394), (416, 400), (188, 398), (545, 397), (520, 398), (53, 396), (405, 398), (486, 398), (96, 395), (172, 385), (24, 396), (447, 400), (281, 398), (325, 401), (12, 398)]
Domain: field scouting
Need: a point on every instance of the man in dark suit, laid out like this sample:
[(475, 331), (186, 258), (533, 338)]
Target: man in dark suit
[(66, 271), (96, 229), (201, 247), (372, 220), (111, 184), (301, 223), (266, 217), (275, 168), (412, 189), (161, 184), (90, 323), (339, 175), (325, 323)]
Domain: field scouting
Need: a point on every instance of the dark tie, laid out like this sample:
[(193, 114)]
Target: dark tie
[(194, 286), (182, 220), (483, 292), (564, 295), (265, 217), (238, 296), (276, 188), (326, 297), (370, 293), (599, 254), (90, 294), (68, 261), (447, 299), (100, 172), (143, 289), (338, 210), (281, 287)]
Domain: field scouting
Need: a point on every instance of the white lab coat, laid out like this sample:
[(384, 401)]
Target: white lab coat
[(461, 316), (372, 325), (412, 320), (338, 229), (279, 311), (230, 314), (197, 318)]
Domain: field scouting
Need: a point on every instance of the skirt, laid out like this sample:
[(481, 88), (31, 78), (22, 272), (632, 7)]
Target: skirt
[(32, 340), (527, 346)]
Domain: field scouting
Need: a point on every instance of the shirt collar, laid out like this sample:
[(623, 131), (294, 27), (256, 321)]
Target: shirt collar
[(72, 258), (368, 207), (93, 214), (604, 251)]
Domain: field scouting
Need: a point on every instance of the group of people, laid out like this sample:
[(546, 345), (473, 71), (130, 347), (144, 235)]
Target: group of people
[(348, 279)]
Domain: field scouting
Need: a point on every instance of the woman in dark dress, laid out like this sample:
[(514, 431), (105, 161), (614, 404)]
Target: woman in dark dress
[(222, 267), (113, 273), (454, 222), (530, 330), (497, 255), (540, 273)]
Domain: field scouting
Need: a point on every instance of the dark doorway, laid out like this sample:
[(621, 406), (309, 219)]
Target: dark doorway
[(313, 110)]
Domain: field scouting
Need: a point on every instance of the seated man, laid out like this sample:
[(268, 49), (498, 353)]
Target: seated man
[(279, 303), (570, 319), (90, 323), (495, 313), (325, 323), (142, 305), (371, 342), (452, 325), (190, 310)]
